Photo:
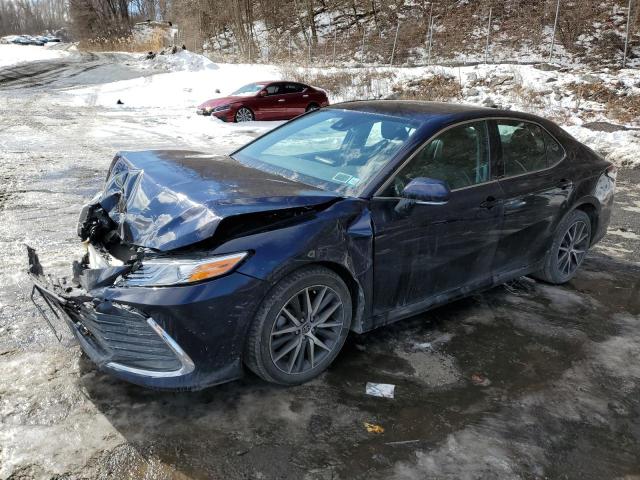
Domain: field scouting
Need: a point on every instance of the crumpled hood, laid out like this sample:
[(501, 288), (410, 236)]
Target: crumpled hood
[(218, 102), (170, 199)]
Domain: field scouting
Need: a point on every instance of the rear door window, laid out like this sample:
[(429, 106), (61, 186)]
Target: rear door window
[(526, 147), (293, 88)]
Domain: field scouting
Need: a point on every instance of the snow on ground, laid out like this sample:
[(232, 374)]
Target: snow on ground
[(14, 54), (181, 60), (185, 81), (545, 92), (621, 148), (173, 85)]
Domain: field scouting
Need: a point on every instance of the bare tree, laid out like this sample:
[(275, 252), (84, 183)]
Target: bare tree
[(32, 16)]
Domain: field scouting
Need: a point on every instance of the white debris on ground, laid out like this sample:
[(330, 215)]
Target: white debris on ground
[(15, 54), (384, 390)]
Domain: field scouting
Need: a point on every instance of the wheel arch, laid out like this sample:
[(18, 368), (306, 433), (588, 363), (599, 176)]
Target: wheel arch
[(591, 207), (355, 289)]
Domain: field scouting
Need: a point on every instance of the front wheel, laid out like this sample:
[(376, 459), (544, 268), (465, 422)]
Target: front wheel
[(300, 327), (568, 249), (311, 107), (244, 115)]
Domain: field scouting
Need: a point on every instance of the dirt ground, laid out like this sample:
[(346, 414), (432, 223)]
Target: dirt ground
[(523, 381)]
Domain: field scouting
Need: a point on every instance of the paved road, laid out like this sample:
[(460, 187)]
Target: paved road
[(523, 381), (77, 69)]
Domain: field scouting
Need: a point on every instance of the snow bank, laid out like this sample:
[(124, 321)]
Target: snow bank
[(189, 79), (182, 60), (14, 54), (182, 88), (621, 148)]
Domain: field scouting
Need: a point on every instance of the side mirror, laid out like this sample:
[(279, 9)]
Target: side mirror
[(427, 191), (262, 93)]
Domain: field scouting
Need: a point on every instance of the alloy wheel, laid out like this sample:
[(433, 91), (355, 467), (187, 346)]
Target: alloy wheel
[(306, 329), (244, 115), (573, 248)]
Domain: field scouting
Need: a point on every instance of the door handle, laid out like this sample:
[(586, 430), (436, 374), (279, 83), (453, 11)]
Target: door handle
[(281, 100), (564, 184), (305, 96), (489, 203)]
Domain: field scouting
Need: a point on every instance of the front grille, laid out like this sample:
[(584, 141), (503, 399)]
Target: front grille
[(122, 335), (140, 276)]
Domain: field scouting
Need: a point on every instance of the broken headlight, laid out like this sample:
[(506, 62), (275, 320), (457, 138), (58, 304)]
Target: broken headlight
[(162, 272)]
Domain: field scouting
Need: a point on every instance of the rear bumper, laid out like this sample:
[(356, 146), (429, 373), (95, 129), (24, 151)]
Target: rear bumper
[(179, 338)]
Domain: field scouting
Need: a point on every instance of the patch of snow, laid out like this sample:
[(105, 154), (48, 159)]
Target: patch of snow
[(182, 60), (620, 147), (192, 81), (15, 54), (624, 234)]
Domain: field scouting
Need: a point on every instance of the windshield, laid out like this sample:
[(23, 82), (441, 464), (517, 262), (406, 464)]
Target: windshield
[(248, 90), (336, 150)]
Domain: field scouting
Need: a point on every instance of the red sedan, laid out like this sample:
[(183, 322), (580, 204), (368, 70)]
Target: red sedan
[(265, 101)]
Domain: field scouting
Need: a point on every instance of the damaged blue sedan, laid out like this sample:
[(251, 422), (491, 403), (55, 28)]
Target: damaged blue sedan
[(342, 220)]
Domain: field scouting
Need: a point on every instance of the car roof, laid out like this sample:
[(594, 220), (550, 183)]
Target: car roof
[(428, 111), (279, 81)]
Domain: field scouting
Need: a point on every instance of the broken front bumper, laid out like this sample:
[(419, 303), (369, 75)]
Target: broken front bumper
[(183, 337), (116, 337)]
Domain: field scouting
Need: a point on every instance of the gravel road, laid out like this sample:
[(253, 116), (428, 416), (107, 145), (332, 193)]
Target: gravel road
[(523, 381)]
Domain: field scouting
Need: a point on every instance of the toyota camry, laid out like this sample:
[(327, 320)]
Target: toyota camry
[(199, 266)]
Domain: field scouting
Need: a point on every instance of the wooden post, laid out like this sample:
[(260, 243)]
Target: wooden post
[(395, 40), (335, 33), (553, 36), (430, 41), (486, 51), (626, 39)]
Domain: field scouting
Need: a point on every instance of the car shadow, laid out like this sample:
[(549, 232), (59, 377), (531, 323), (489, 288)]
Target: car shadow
[(494, 366)]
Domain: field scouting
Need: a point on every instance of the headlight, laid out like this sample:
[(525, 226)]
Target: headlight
[(222, 108), (162, 272)]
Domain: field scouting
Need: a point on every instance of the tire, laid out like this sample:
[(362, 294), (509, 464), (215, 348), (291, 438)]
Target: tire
[(567, 247), (311, 107), (244, 114), (264, 347)]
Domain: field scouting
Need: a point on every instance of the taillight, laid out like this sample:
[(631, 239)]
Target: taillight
[(611, 172)]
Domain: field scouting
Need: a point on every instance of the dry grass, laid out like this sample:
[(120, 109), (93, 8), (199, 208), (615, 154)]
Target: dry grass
[(344, 84), (528, 98), (123, 44), (620, 106), (437, 88)]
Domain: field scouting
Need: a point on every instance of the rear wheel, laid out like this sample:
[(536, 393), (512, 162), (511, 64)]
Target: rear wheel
[(300, 327), (244, 114), (568, 250), (312, 106)]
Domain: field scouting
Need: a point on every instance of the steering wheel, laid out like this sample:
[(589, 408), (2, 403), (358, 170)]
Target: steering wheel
[(522, 167), (375, 149), (398, 185)]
